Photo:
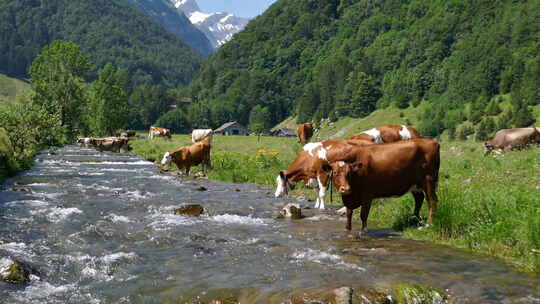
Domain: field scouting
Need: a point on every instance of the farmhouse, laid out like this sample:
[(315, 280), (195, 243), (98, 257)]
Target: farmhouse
[(283, 132), (231, 128)]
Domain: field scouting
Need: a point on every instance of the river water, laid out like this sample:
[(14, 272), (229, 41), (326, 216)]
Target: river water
[(99, 228)]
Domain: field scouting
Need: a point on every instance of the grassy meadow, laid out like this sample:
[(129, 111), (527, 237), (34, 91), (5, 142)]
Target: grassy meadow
[(489, 204)]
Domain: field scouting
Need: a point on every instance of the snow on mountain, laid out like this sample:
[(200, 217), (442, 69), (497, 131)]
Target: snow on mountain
[(218, 27)]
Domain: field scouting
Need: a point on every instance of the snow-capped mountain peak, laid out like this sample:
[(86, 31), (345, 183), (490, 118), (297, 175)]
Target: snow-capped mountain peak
[(218, 27)]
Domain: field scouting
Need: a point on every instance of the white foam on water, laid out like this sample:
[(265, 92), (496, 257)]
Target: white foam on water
[(164, 177), (40, 185), (120, 170), (91, 173), (162, 222), (28, 203), (44, 292), (47, 195), (137, 195), (238, 219), (114, 257), (117, 218), (58, 214), (324, 258), (129, 163), (19, 249)]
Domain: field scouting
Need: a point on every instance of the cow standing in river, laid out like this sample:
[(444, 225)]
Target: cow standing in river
[(186, 157), (388, 170), (308, 165)]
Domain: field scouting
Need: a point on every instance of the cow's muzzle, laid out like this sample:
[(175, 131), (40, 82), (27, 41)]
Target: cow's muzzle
[(343, 190)]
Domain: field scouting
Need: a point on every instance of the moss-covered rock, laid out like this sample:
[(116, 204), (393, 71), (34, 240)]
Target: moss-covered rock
[(418, 294), (190, 210), (13, 272)]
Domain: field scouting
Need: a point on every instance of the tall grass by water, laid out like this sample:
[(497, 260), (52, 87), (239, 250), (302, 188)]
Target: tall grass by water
[(488, 204)]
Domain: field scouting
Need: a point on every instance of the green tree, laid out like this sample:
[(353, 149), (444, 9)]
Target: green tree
[(57, 78), (108, 111), (175, 120), (493, 108), (485, 129), (522, 116)]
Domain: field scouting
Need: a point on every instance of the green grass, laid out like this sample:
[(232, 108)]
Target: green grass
[(489, 205), (10, 88)]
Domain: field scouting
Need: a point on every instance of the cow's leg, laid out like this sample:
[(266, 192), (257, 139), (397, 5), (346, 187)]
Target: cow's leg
[(322, 179), (364, 213), (431, 188), (187, 170), (418, 200), (349, 219)]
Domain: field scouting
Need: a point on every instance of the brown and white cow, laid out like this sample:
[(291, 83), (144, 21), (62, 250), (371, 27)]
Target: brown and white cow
[(388, 134), (388, 170), (509, 139), (304, 132), (186, 157), (304, 168), (309, 167), (201, 134), (157, 131)]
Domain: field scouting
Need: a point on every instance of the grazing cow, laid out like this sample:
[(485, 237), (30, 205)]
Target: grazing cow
[(186, 157), (388, 134), (388, 170), (304, 132), (509, 139), (128, 133), (308, 167), (157, 131), (201, 134)]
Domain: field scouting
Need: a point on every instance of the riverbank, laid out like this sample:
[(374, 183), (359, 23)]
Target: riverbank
[(486, 204)]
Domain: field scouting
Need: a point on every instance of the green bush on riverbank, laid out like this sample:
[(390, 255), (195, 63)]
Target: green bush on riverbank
[(486, 204)]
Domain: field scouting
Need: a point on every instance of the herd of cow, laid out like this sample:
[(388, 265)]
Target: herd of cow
[(385, 161)]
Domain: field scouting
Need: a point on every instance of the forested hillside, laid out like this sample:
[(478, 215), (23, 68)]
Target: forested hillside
[(164, 13), (109, 31), (334, 58)]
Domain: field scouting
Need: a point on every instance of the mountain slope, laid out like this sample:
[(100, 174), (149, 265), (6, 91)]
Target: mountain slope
[(107, 31), (218, 27), (10, 88), (162, 12), (333, 58)]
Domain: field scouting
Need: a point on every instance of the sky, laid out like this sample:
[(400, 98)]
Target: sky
[(240, 8)]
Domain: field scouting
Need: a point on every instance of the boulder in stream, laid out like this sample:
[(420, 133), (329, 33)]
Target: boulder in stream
[(292, 211), (13, 272), (190, 210)]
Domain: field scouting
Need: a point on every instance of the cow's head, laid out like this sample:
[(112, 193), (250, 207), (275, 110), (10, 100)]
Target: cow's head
[(283, 184), (488, 147), (342, 174), (167, 158)]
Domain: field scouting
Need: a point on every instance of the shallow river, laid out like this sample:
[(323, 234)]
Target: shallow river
[(99, 228)]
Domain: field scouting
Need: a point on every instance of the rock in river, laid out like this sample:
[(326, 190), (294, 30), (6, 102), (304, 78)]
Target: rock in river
[(13, 272), (189, 210), (292, 211)]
